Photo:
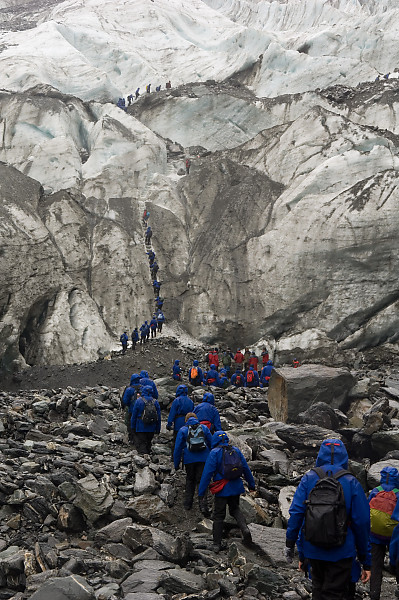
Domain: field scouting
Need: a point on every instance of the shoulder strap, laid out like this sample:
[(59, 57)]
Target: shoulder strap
[(320, 472), (395, 490), (342, 472), (380, 488)]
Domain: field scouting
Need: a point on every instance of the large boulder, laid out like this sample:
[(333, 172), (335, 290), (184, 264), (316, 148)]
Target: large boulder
[(65, 588), (304, 437), (385, 441), (174, 549), (93, 498), (293, 391)]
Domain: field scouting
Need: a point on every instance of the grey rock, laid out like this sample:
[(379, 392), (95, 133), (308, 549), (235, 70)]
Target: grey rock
[(146, 577), (145, 482), (180, 581), (65, 588), (284, 499), (305, 437), (114, 531), (70, 518), (266, 581), (175, 549), (149, 509), (385, 441), (93, 498), (322, 414), (272, 542)]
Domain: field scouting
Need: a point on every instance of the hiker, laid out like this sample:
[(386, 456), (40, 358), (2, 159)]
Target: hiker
[(148, 88), (330, 550), (159, 302), (154, 269), (130, 99), (123, 340), (181, 405), (195, 376), (153, 327), (188, 165), (394, 557), (143, 334), (213, 358), (135, 338), (157, 287), (226, 465), (253, 361), (212, 377), (168, 85), (146, 381), (227, 359), (238, 378), (266, 373), (265, 356), (158, 88), (224, 381), (238, 359), (384, 515), (151, 257), (295, 363), (129, 397), (176, 370), (148, 235), (207, 413), (146, 420), (146, 216), (193, 444), (247, 356), (160, 321), (251, 378), (137, 93)]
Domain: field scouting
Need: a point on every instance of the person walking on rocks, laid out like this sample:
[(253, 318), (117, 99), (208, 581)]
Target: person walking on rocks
[(154, 269), (124, 339), (193, 444), (253, 361), (247, 356), (212, 377), (135, 338), (129, 397), (195, 375), (266, 373), (226, 360), (146, 381), (334, 531), (251, 378), (384, 515), (148, 236), (137, 93), (213, 358), (151, 257), (394, 557), (207, 413), (146, 216), (238, 378), (238, 359), (176, 370), (160, 321), (153, 327), (156, 286), (181, 406), (143, 334), (146, 420), (265, 356), (188, 165), (226, 465)]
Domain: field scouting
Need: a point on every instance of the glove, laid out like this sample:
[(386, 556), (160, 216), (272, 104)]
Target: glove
[(168, 427), (289, 554)]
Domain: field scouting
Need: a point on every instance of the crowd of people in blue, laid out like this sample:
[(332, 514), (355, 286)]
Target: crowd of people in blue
[(341, 535), (121, 103)]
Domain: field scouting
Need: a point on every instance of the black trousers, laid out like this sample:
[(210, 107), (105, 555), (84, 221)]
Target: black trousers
[(153, 333), (160, 327), (193, 477), (221, 502), (330, 580), (143, 440), (377, 564)]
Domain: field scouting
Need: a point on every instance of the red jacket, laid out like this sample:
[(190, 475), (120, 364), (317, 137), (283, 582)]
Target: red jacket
[(265, 357), (239, 357), (254, 361), (213, 359)]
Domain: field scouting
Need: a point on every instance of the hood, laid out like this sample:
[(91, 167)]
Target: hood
[(238, 370), (332, 452), (269, 362), (177, 361), (223, 371), (135, 378), (390, 477), (181, 390), (251, 368), (195, 363), (143, 374), (192, 421), (208, 397), (212, 368), (219, 438), (147, 391)]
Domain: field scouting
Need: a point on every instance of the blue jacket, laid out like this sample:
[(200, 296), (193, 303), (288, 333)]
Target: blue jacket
[(146, 381), (233, 380), (389, 481), (124, 338), (161, 318), (255, 379), (200, 377), (214, 468), (135, 335), (181, 405), (129, 394), (394, 547), (181, 445), (176, 370), (223, 379), (206, 411), (153, 323), (333, 457), (138, 408), (212, 375), (266, 372)]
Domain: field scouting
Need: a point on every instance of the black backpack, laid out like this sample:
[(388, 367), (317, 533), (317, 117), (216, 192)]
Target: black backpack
[(326, 519), (196, 438), (231, 463), (149, 416)]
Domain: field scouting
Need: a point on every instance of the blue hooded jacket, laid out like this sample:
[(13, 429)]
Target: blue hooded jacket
[(177, 370), (200, 378), (212, 377), (389, 480), (181, 405), (206, 411), (153, 323), (394, 547), (130, 392), (181, 445), (266, 372), (233, 380), (223, 379), (146, 381), (135, 335), (214, 469), (161, 318), (333, 457), (138, 408), (255, 378)]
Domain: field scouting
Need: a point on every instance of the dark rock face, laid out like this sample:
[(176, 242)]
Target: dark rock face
[(293, 391)]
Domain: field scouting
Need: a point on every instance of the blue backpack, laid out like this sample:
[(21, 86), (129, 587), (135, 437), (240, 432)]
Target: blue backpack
[(231, 463), (196, 438)]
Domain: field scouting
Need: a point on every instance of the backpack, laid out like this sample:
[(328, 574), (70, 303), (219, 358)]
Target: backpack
[(226, 360), (381, 509), (326, 519), (238, 380), (195, 438), (149, 416), (231, 463), (194, 373), (250, 376)]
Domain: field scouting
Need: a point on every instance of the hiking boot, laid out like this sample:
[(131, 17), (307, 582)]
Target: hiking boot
[(242, 524), (203, 506), (216, 548)]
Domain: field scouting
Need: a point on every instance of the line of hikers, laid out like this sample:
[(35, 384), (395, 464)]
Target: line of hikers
[(121, 103), (340, 534)]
